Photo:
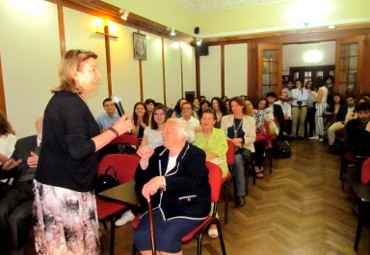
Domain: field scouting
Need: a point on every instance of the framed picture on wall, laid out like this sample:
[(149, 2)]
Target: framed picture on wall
[(139, 46)]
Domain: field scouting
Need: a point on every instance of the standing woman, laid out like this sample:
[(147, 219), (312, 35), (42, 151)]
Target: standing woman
[(219, 107), (311, 110), (7, 139), (140, 118), (241, 130), (64, 204), (321, 105)]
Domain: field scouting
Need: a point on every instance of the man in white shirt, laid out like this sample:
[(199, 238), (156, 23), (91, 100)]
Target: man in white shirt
[(287, 110), (108, 118), (187, 114), (299, 109), (288, 89)]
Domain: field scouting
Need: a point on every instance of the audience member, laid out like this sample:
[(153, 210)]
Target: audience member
[(178, 108), (288, 90), (353, 115), (357, 130), (241, 129), (329, 84), (202, 98), (196, 105), (299, 109), (150, 104), (204, 105), (7, 139), (64, 202), (311, 110), (110, 116), (218, 106), (227, 106), (276, 109), (287, 111), (213, 141), (140, 119), (153, 134), (174, 178), (321, 105), (16, 205), (339, 120), (333, 109), (187, 115), (261, 114)]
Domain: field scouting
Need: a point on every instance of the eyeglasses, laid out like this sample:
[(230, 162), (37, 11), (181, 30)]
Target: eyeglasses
[(159, 114)]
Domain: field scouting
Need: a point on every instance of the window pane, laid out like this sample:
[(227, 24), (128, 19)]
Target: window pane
[(353, 62), (353, 49)]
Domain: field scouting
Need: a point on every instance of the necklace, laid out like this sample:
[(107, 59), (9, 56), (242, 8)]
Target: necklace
[(237, 129)]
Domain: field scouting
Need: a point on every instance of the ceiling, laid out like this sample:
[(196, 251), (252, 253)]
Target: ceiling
[(201, 6)]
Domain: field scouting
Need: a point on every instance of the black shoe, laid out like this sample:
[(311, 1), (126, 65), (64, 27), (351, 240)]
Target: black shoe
[(240, 201)]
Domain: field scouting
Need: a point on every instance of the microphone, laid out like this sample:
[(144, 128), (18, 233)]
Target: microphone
[(117, 102)]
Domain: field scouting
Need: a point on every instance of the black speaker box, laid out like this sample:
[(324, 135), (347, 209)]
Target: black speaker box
[(203, 49)]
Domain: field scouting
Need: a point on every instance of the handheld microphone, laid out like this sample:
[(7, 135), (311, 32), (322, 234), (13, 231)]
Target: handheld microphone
[(117, 102)]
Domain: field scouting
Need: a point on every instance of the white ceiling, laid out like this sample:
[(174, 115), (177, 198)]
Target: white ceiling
[(201, 6)]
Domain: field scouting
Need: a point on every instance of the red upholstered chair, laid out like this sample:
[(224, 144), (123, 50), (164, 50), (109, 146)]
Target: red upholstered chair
[(230, 158), (215, 181), (125, 165), (127, 138), (270, 142), (365, 172)]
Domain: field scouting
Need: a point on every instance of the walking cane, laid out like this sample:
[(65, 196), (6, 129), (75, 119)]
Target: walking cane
[(151, 227)]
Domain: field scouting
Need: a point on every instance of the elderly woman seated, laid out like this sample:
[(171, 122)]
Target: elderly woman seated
[(175, 179)]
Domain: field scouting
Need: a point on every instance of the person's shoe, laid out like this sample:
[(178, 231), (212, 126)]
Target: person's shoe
[(213, 233), (321, 139), (126, 217), (315, 137), (240, 201)]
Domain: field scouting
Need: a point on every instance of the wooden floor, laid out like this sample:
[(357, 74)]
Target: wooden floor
[(299, 209)]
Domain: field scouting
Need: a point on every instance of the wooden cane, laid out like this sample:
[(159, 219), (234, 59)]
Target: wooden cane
[(151, 226)]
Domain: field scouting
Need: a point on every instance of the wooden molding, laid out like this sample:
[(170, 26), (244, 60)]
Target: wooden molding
[(222, 70), (164, 73), (2, 91), (62, 36)]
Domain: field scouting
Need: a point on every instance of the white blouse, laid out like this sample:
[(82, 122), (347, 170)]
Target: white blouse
[(7, 143)]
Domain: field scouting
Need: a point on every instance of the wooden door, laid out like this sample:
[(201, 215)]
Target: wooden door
[(349, 65), (269, 68)]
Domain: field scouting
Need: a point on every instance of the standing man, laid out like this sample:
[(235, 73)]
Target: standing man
[(288, 89), (108, 118), (16, 205), (299, 109)]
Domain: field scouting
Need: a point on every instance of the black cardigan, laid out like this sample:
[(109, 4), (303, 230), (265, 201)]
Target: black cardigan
[(187, 192), (67, 157)]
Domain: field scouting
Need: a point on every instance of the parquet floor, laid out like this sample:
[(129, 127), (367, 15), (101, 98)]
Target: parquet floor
[(299, 209)]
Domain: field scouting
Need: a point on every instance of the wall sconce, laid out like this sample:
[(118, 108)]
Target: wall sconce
[(199, 41), (125, 14), (173, 33)]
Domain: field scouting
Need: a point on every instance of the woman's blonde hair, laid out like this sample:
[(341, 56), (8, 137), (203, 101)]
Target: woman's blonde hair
[(72, 62)]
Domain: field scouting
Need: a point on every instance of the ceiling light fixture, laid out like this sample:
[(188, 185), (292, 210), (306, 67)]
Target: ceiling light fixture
[(199, 41), (125, 14), (173, 33)]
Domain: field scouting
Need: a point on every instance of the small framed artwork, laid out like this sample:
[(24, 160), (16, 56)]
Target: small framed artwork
[(139, 46)]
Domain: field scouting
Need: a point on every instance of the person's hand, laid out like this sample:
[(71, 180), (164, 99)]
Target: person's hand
[(286, 117), (152, 186), (32, 160), (145, 152), (123, 124), (368, 127), (198, 129), (238, 142), (11, 163)]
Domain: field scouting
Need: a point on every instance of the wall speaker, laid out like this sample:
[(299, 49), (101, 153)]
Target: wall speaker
[(203, 49)]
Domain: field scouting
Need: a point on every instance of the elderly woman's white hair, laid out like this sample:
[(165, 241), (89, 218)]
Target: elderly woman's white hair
[(184, 129)]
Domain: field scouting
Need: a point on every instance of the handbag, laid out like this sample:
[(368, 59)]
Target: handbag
[(274, 130), (106, 181)]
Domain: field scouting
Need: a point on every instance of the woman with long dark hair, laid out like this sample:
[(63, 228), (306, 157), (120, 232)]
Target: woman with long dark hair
[(7, 139)]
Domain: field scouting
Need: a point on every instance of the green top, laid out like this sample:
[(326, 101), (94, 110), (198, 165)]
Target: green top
[(214, 143)]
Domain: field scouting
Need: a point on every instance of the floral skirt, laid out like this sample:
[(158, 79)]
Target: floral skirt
[(66, 221)]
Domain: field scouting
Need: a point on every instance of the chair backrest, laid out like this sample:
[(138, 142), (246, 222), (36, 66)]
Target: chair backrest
[(126, 138), (230, 154), (365, 172), (215, 180), (125, 165)]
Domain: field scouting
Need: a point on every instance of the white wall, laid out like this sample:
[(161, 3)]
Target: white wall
[(311, 54), (236, 69), (30, 56), (210, 73)]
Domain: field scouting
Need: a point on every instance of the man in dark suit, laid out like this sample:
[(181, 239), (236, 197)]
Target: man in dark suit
[(16, 204)]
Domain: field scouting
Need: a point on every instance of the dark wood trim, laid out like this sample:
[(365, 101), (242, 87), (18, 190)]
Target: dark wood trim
[(366, 66), (197, 73), (181, 71), (141, 80), (252, 70), (62, 35), (2, 91), (222, 70), (107, 11), (164, 73), (108, 58)]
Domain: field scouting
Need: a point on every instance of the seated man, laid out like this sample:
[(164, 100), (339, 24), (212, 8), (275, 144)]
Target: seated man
[(339, 121), (16, 205), (187, 114), (287, 111), (108, 118), (357, 133), (277, 110)]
